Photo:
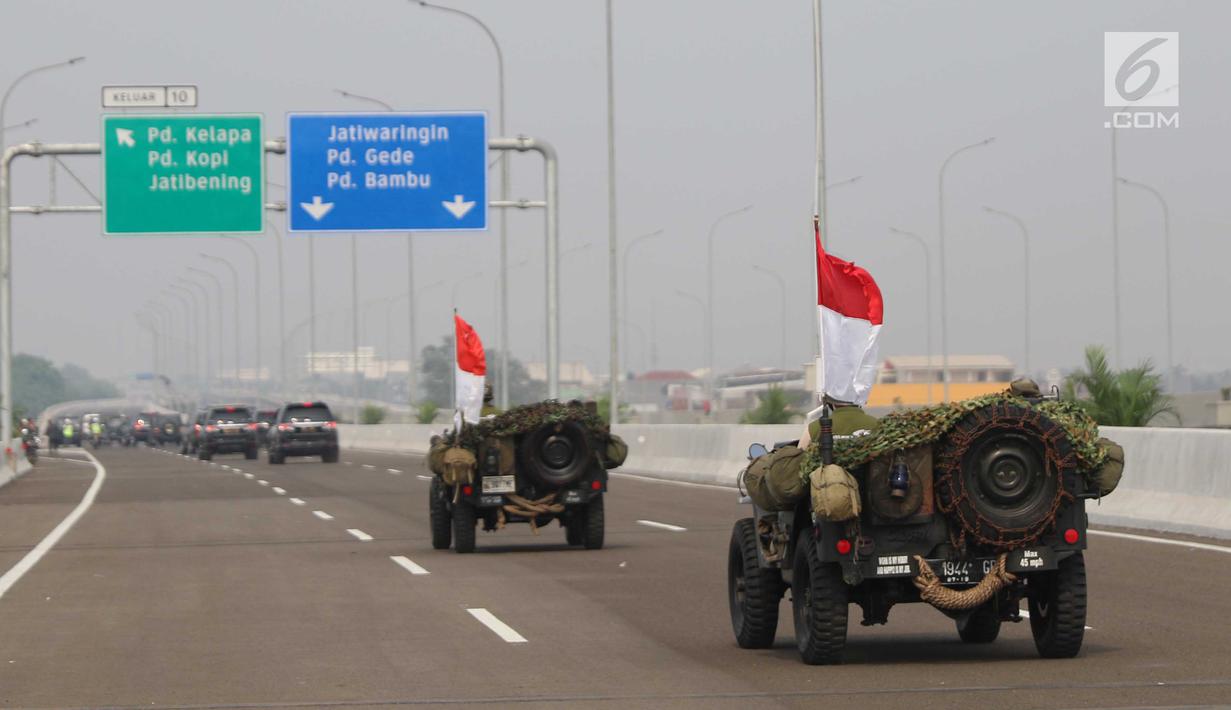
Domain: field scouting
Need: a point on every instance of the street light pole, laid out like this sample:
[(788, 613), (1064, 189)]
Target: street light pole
[(235, 283), (1021, 226), (613, 394), (4, 102), (1166, 271), (709, 297), (281, 312), (944, 303), (503, 328), (256, 307), (628, 248), (217, 285), (782, 290), (200, 328), (927, 298)]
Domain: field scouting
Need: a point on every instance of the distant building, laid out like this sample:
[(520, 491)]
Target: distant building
[(576, 380), (671, 390)]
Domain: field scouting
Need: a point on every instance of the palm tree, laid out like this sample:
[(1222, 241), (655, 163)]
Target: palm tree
[(1131, 397), (773, 409)]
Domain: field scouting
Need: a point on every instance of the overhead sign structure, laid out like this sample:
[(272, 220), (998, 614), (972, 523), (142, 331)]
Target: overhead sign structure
[(376, 172), (175, 96), (183, 174)]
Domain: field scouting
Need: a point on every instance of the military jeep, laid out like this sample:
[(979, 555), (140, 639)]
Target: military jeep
[(987, 515), (533, 465)]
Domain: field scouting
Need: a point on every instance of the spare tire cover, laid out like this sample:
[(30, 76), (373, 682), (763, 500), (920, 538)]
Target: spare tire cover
[(556, 454), (1003, 471)]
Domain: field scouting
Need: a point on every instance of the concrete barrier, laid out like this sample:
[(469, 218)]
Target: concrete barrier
[(1175, 480), (18, 466)]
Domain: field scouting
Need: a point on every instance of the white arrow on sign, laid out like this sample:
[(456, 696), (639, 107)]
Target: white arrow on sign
[(124, 136), (316, 208), (457, 207)]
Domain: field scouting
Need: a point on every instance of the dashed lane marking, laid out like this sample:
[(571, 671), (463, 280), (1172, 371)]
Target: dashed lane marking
[(661, 526), (367, 465), (322, 515), (1162, 541), (421, 477), (263, 482), (394, 471), (359, 535), (249, 476), (297, 501), (1026, 615), (408, 565), (279, 491), (500, 628)]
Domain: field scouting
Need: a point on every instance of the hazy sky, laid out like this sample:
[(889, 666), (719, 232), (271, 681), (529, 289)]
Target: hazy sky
[(714, 111)]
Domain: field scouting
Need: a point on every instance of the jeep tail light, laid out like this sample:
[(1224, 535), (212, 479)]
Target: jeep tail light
[(843, 546), (596, 485), (467, 490), (1071, 536)]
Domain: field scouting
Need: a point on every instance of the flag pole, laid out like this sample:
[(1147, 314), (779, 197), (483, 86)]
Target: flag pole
[(818, 204), (453, 375)]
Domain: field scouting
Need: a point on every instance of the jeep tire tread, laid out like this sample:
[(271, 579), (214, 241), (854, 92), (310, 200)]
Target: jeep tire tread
[(595, 524), (753, 592), (819, 605), (438, 513), (463, 527), (1058, 608)]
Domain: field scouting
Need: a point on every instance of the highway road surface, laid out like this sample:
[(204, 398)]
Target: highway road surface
[(239, 584)]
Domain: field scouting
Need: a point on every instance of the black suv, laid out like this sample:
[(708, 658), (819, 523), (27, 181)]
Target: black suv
[(144, 428), (168, 429), (227, 430), (303, 429)]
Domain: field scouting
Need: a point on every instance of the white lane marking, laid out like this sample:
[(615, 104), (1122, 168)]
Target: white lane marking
[(421, 477), (360, 535), (368, 465), (408, 565), (661, 526), (297, 501), (25, 564), (394, 471), (322, 515), (348, 463), (226, 467), (279, 491), (1163, 541), (1026, 615), (500, 628), (249, 476), (263, 482)]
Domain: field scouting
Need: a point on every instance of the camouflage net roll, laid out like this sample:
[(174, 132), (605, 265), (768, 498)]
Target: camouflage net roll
[(899, 431), (531, 417)]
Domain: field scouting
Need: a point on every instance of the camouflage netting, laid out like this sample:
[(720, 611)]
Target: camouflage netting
[(529, 418), (904, 430)]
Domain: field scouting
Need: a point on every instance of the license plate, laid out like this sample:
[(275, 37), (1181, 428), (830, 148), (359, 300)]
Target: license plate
[(310, 429), (962, 571), (499, 484)]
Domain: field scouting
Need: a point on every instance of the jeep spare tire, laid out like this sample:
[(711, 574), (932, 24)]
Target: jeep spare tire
[(556, 454), (1003, 471)]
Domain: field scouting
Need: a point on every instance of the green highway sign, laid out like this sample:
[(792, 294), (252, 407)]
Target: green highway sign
[(183, 174)]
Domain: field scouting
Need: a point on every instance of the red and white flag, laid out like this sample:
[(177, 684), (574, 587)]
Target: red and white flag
[(470, 371), (851, 311)]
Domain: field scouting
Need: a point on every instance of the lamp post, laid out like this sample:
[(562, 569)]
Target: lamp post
[(1166, 271), (1021, 226), (782, 289), (281, 310), (709, 296), (628, 248), (256, 306), (197, 324), (503, 320), (927, 298), (218, 286), (235, 298), (944, 303), (4, 102)]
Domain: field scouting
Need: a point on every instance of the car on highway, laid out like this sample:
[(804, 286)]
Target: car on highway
[(303, 429), (167, 428), (227, 429), (144, 429), (264, 419)]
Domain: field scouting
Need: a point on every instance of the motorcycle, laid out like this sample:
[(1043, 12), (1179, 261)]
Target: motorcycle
[(29, 443)]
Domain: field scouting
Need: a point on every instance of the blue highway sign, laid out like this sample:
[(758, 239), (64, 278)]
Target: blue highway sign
[(380, 172)]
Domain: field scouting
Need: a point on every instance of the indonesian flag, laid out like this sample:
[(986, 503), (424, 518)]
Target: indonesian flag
[(468, 372), (850, 311)]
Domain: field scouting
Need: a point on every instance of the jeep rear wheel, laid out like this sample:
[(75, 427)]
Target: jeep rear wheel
[(982, 625), (595, 525), (574, 527), (438, 513), (819, 605), (753, 592), (1058, 608), (463, 527)]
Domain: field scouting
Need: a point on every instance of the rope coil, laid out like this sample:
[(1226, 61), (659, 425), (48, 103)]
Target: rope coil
[(531, 509), (942, 597)]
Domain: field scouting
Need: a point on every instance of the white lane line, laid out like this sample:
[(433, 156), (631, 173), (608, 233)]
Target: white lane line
[(32, 557), (263, 482), (1163, 541), (226, 467), (249, 476), (297, 501), (394, 471), (360, 535), (322, 515), (348, 463), (279, 491), (661, 526), (1026, 615), (368, 465), (421, 477), (408, 565), (500, 628)]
